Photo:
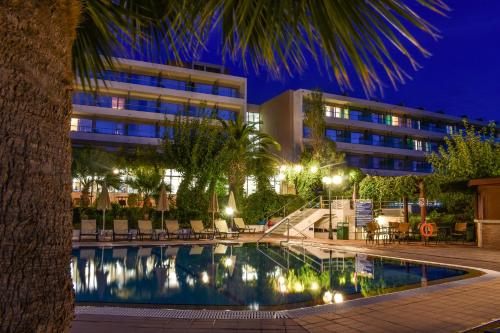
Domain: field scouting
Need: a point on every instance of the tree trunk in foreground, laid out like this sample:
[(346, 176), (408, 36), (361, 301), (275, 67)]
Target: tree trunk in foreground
[(35, 179)]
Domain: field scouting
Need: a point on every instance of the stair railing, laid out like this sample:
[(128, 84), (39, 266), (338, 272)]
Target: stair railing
[(287, 219)]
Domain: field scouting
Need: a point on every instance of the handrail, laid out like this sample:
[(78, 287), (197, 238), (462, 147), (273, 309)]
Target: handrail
[(290, 215), (269, 216), (286, 220)]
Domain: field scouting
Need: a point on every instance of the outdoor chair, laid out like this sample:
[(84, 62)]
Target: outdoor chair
[(88, 228), (242, 226), (199, 230), (120, 229), (393, 231), (146, 230), (223, 230), (459, 231), (173, 228), (372, 232), (403, 232)]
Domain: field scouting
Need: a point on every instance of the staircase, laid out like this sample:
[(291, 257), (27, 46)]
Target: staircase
[(297, 223)]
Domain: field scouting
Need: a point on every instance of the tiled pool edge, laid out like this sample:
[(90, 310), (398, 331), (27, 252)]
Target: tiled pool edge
[(280, 314)]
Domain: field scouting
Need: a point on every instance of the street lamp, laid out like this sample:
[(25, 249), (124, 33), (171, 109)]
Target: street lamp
[(328, 181)]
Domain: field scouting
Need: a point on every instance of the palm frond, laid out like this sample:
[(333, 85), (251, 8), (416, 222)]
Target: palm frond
[(365, 36), (156, 29)]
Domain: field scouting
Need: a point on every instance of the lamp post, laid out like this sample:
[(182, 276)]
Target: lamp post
[(328, 181)]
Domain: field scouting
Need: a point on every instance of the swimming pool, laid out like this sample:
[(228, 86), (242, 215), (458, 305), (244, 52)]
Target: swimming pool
[(239, 276)]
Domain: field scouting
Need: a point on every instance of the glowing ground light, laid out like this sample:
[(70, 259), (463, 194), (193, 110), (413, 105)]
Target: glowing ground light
[(327, 297), (335, 297), (283, 288), (281, 280), (314, 286), (338, 298), (281, 176), (116, 171), (298, 287), (313, 169), (204, 277), (297, 168)]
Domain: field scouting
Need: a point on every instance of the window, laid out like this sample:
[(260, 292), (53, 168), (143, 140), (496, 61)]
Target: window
[(346, 114), (408, 122), (172, 178), (417, 145), (109, 127), (118, 103), (250, 185), (142, 130), (330, 134), (395, 120), (81, 125), (328, 111), (388, 119), (337, 112), (254, 119), (356, 137), (306, 132), (450, 129)]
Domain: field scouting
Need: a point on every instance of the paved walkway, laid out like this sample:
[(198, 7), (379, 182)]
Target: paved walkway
[(454, 307)]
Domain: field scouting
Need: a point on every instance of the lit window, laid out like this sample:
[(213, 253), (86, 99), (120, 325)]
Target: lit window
[(346, 113), (254, 119), (450, 129), (328, 111), (74, 124), (118, 103), (417, 145), (395, 121), (337, 112)]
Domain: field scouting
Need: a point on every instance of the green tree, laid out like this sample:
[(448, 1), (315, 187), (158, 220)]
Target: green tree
[(146, 180), (92, 167), (45, 43), (247, 149), (469, 154), (197, 150)]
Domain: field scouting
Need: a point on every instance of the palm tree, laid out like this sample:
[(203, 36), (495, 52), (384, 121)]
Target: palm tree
[(147, 181), (92, 166), (245, 146), (45, 43)]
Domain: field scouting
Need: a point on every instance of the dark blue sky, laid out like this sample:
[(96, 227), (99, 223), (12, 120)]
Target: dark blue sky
[(462, 77)]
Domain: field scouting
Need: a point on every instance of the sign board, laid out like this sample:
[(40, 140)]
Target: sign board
[(363, 210)]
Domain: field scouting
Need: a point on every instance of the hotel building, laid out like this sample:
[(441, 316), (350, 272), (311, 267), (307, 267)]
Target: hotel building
[(137, 100), (379, 138)]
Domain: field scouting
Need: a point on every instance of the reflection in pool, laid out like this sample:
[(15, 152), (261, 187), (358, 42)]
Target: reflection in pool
[(238, 276)]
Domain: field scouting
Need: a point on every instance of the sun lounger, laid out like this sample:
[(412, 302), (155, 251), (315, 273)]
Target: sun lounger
[(120, 229), (146, 230), (173, 228), (223, 230), (199, 230), (242, 226), (88, 228)]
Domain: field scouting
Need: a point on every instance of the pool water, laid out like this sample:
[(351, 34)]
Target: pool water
[(237, 276)]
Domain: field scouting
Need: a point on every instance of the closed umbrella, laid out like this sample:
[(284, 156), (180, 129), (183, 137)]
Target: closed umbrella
[(213, 207), (104, 203), (231, 203), (162, 205)]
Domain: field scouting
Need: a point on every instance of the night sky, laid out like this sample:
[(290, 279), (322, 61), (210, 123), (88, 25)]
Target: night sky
[(462, 77)]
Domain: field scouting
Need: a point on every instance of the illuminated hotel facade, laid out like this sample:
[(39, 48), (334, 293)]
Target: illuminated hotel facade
[(137, 100), (379, 138)]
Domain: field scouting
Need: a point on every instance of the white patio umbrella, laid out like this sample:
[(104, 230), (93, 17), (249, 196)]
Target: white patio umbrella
[(162, 205), (103, 203), (231, 203), (213, 208)]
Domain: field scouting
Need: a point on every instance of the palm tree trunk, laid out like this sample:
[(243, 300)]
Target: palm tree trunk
[(35, 179)]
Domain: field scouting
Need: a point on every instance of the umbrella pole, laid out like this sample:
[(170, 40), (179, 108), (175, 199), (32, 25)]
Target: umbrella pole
[(103, 220), (162, 228)]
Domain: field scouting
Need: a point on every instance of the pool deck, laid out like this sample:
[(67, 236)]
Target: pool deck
[(450, 307)]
